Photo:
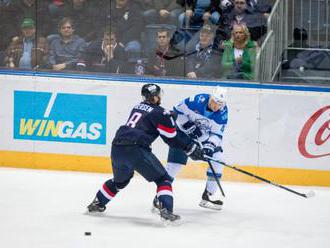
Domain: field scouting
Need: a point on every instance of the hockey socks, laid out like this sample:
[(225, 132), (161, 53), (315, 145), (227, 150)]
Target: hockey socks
[(165, 195), (107, 192), (211, 184)]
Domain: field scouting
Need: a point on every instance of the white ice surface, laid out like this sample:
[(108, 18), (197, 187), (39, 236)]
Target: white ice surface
[(41, 209)]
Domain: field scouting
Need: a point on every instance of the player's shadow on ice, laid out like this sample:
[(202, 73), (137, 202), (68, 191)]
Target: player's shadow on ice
[(153, 220)]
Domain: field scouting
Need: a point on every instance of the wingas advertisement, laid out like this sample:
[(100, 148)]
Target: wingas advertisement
[(60, 117)]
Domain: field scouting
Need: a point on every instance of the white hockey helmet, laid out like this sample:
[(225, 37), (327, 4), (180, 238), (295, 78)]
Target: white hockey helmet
[(219, 95)]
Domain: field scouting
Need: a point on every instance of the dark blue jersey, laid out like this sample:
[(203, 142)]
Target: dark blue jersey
[(145, 123)]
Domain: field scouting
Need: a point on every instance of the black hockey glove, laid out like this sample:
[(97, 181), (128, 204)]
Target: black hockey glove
[(195, 151), (208, 149), (192, 130), (173, 114)]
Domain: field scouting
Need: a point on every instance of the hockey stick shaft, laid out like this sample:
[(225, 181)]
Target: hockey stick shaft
[(216, 178), (310, 194), (167, 57)]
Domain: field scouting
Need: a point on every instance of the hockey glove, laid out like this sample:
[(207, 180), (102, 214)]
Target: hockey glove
[(208, 149), (194, 151), (173, 114), (192, 130)]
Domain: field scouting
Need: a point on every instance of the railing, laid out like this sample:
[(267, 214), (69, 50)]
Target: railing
[(314, 17), (269, 57)]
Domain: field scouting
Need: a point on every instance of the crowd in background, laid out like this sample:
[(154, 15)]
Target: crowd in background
[(187, 38)]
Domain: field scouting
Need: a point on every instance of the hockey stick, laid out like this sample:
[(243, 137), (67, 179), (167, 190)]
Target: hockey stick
[(168, 57), (185, 54), (216, 178), (307, 195)]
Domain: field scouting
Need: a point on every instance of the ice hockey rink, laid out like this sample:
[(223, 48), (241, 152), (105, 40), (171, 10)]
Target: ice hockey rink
[(40, 208)]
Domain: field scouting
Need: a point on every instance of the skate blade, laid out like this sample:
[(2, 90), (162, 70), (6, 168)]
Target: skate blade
[(210, 205), (167, 223), (97, 214)]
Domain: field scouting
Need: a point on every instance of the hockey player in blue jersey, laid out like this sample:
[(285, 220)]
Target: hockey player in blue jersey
[(203, 117), (131, 152)]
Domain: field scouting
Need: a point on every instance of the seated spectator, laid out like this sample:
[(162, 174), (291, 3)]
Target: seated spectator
[(106, 54), (205, 62), (261, 6), (37, 10), (9, 23), (27, 51), (168, 11), (239, 55), (160, 66), (125, 17), (87, 17), (300, 39), (199, 12), (241, 13), (66, 49), (148, 10)]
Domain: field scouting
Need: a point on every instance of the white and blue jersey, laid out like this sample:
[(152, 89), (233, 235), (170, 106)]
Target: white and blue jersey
[(212, 124)]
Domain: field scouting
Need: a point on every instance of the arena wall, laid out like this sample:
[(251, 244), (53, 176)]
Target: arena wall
[(65, 122)]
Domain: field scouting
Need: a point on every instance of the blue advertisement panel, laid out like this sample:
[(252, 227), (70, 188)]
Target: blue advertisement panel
[(60, 117)]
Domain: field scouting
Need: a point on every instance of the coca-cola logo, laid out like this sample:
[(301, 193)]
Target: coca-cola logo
[(314, 138)]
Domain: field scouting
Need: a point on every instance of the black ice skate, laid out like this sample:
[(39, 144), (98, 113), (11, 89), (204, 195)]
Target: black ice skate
[(155, 206), (167, 216), (96, 207), (207, 202)]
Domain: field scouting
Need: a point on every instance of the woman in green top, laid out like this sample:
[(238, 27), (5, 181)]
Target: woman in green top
[(239, 56)]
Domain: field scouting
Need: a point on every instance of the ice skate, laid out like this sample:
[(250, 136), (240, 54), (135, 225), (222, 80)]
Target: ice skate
[(155, 206), (208, 202), (168, 218), (95, 207)]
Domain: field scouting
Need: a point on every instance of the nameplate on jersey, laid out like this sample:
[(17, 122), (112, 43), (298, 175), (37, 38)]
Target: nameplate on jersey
[(144, 107)]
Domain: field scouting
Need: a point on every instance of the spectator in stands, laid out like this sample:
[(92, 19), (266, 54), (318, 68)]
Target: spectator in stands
[(106, 54), (66, 49), (241, 13), (56, 7), (27, 51), (9, 21), (148, 10), (300, 39), (168, 11), (205, 62), (125, 17), (199, 12), (239, 56), (87, 17), (261, 6), (160, 62), (37, 10)]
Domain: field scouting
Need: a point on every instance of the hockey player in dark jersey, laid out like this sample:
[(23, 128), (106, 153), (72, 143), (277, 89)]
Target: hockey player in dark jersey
[(131, 152)]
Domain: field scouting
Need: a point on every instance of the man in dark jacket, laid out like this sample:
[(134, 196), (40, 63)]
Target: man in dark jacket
[(106, 54), (125, 17), (66, 49), (241, 13), (205, 62), (199, 12), (160, 62)]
